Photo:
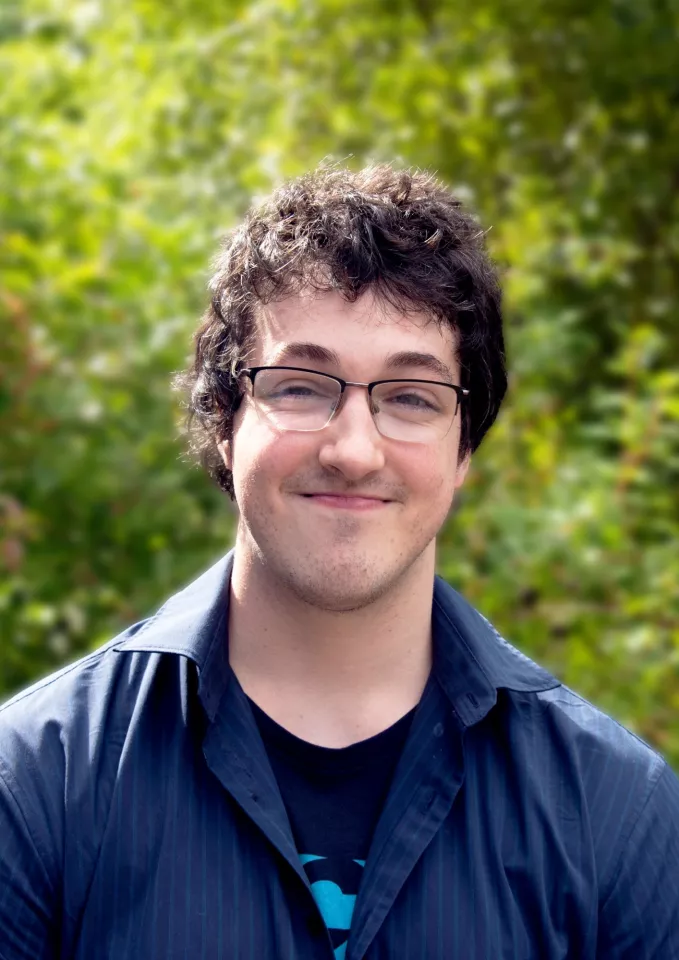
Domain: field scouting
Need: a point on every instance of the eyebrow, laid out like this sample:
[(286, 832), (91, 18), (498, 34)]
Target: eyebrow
[(315, 353)]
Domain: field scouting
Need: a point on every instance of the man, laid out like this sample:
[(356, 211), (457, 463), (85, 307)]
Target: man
[(318, 749)]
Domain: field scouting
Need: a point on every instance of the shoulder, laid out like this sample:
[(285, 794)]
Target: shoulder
[(568, 760), (590, 770), (577, 749), (74, 694), (624, 797), (603, 749), (545, 721), (82, 713), (70, 722), (63, 744), (612, 802)]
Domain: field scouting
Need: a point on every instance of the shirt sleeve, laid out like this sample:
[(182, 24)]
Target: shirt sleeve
[(639, 917), (26, 897)]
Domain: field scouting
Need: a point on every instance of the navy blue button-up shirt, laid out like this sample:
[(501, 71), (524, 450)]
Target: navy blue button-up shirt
[(139, 816)]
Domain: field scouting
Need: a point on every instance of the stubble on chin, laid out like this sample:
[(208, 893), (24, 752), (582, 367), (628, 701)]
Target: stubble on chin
[(342, 567), (343, 580)]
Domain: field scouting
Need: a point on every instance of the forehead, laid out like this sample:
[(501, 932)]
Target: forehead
[(363, 333)]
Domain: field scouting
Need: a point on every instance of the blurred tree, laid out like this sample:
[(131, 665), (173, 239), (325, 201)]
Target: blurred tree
[(132, 134)]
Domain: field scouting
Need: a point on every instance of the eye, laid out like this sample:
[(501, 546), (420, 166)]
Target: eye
[(413, 399), (296, 390)]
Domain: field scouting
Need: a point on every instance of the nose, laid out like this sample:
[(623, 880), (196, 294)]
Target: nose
[(352, 443)]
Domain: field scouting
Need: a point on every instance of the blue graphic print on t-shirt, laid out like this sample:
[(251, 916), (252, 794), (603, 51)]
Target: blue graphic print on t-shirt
[(336, 904)]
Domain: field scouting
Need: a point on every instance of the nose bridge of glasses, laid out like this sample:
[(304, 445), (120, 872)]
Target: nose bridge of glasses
[(342, 398)]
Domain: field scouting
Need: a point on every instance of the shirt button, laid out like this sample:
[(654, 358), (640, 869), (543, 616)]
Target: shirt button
[(438, 730)]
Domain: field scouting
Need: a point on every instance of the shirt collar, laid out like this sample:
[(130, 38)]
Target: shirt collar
[(471, 660), (193, 624)]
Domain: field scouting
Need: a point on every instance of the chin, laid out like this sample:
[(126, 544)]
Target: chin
[(339, 587), (336, 601)]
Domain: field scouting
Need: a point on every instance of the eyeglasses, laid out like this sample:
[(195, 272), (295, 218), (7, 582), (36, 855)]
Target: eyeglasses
[(415, 411)]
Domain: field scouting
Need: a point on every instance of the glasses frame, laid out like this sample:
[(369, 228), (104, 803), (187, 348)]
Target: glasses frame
[(251, 374)]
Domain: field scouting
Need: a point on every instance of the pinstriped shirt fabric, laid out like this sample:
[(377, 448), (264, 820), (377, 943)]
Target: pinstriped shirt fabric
[(140, 818)]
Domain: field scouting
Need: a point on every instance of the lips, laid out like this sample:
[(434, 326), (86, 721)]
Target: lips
[(350, 501), (347, 496)]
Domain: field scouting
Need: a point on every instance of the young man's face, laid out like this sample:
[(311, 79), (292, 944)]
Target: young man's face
[(333, 552)]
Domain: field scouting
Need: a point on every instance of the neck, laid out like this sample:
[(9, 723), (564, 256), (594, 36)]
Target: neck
[(331, 677)]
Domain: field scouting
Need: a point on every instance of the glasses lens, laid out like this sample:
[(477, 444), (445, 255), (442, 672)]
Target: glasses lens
[(418, 411), (295, 400)]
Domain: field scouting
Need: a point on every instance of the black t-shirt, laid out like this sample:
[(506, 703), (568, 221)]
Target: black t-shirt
[(334, 798)]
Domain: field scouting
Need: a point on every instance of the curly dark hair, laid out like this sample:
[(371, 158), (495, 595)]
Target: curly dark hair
[(401, 233)]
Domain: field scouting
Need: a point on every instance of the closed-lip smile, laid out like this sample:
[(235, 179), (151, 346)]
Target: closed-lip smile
[(346, 501)]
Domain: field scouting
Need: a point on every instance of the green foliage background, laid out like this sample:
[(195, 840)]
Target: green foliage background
[(134, 132)]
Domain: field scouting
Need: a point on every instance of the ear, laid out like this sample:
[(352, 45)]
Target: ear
[(461, 471), (224, 448)]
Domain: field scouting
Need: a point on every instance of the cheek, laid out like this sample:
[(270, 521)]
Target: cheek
[(249, 455), (252, 469), (431, 477), (263, 459)]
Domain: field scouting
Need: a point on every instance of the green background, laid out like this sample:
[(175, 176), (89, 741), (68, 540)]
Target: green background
[(133, 133)]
